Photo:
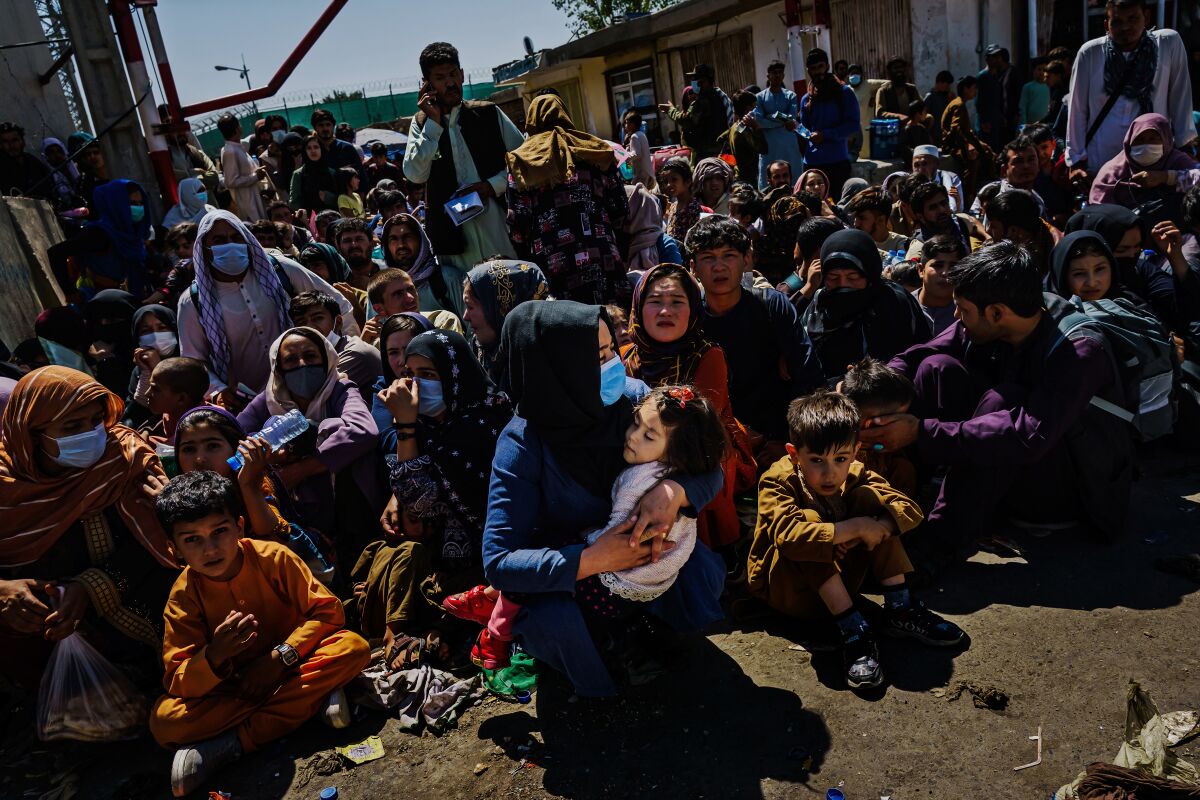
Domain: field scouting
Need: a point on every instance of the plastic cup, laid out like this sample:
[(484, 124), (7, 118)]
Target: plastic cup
[(834, 794)]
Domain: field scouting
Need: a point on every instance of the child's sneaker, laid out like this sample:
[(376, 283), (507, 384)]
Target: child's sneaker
[(336, 713), (195, 764), (918, 622), (860, 655), (472, 605), (488, 652)]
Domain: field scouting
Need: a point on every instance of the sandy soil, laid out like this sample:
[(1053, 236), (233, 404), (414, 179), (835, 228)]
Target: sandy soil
[(1060, 631)]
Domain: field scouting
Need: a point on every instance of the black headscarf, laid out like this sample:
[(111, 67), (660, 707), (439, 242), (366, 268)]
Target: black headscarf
[(1108, 220), (463, 444), (554, 383), (315, 178), (846, 325), (118, 307), (165, 315)]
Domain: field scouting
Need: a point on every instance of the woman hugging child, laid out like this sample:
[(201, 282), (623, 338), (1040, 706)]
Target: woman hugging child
[(674, 429)]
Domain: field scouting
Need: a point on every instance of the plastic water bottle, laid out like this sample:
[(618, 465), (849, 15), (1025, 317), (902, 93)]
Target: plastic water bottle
[(278, 431)]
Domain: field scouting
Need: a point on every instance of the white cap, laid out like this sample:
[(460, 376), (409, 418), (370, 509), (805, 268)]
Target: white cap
[(927, 150)]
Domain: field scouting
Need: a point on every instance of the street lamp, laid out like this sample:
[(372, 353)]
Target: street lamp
[(244, 72)]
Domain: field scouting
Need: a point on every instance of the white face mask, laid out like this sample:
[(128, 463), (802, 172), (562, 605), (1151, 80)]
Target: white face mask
[(334, 337), (162, 341), (1146, 154), (81, 450)]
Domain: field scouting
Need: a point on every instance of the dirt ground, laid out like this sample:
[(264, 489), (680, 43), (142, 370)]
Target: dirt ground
[(1060, 631)]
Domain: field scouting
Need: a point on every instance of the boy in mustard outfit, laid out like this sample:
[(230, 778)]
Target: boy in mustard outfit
[(824, 521)]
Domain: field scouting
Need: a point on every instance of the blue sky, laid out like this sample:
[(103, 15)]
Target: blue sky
[(370, 42)]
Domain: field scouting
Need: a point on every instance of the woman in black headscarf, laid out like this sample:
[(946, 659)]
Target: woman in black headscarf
[(1082, 265), (110, 325), (448, 416), (857, 313), (1169, 292), (552, 479), (291, 158), (312, 186)]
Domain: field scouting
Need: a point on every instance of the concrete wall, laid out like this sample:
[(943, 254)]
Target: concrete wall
[(946, 34), (40, 110), (767, 32), (27, 229)]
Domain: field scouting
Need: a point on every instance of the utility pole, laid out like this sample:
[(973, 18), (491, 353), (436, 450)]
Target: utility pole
[(245, 73)]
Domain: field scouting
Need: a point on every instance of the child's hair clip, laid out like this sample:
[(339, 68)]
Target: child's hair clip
[(681, 393)]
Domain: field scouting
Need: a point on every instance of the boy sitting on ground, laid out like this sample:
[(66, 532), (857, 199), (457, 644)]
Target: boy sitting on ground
[(177, 385), (253, 645), (876, 390), (824, 522)]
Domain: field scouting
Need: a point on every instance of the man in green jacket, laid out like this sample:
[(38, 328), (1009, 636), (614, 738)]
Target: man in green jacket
[(706, 119)]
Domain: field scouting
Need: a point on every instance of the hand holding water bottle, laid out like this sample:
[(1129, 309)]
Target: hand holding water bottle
[(254, 453), (278, 431)]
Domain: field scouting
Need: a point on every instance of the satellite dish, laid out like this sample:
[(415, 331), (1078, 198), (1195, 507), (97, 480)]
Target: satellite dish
[(529, 46)]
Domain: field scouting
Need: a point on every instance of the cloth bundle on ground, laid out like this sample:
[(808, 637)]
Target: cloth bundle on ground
[(421, 696)]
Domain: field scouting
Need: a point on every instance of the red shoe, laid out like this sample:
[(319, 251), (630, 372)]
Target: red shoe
[(489, 652), (472, 605)]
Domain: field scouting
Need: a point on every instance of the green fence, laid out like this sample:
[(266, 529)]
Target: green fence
[(359, 112)]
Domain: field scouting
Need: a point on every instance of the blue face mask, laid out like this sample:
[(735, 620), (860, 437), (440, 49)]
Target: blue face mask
[(137, 213), (695, 86), (83, 449), (430, 402), (201, 197), (612, 381), (305, 381), (855, 80), (232, 258)]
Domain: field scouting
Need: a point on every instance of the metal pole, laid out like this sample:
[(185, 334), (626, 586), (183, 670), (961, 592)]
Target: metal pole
[(1162, 13), (150, 17), (395, 113), (135, 65), (1031, 5)]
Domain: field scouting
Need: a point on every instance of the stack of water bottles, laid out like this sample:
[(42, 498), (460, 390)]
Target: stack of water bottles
[(885, 139), (278, 431)]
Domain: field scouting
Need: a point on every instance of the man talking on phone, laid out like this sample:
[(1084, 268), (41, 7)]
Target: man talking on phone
[(457, 149)]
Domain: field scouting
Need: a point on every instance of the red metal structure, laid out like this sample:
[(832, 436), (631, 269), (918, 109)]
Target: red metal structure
[(152, 124)]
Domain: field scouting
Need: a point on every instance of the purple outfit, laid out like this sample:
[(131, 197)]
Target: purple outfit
[(1016, 429), (345, 438)]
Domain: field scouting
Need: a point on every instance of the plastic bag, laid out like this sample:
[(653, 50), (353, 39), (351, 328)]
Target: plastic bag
[(84, 697)]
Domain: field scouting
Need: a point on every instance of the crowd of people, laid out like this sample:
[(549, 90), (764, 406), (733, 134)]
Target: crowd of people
[(804, 385)]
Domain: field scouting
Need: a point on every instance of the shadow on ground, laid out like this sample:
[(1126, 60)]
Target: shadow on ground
[(706, 731)]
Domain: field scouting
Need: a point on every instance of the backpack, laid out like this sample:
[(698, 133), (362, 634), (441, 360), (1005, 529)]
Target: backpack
[(284, 280), (1143, 357)]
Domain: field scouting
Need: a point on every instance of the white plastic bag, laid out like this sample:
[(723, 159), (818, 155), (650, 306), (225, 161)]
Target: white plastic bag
[(84, 697)]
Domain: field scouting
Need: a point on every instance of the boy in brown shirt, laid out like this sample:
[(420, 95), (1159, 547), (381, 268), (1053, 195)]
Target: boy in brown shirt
[(824, 521)]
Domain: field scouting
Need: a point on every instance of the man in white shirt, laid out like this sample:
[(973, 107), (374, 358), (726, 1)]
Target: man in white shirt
[(926, 159), (1158, 81), (238, 306), (241, 174), (456, 148)]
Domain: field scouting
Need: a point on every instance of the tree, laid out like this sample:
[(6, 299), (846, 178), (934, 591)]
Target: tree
[(588, 16), (339, 95)]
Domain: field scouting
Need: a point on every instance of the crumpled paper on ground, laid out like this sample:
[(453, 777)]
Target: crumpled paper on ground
[(1149, 736), (421, 696)]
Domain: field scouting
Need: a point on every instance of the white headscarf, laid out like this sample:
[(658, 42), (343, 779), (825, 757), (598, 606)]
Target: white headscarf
[(279, 398), (189, 208)]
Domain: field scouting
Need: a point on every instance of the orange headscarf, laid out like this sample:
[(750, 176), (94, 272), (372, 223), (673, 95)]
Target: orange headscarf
[(38, 508)]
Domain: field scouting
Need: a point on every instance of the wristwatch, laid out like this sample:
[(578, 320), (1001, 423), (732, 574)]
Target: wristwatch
[(287, 655)]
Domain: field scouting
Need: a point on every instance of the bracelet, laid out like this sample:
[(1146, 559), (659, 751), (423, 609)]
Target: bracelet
[(404, 437)]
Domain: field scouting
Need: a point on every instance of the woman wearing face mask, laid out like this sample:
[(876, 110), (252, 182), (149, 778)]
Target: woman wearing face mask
[(304, 376), (856, 313), (192, 205), (448, 417), (76, 521), (156, 335), (1149, 147), (110, 252), (552, 479), (237, 306)]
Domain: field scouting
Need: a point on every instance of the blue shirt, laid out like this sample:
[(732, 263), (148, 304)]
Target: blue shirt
[(837, 120)]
